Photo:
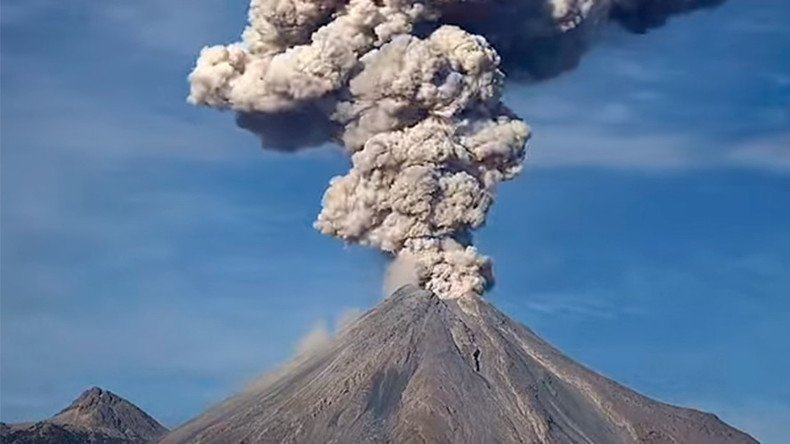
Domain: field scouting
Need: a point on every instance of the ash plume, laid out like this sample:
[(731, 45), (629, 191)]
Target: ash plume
[(412, 90)]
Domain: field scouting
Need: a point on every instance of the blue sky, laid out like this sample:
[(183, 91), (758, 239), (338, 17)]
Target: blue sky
[(153, 249)]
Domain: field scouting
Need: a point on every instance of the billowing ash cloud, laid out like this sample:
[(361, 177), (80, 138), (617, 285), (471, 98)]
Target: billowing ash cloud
[(414, 95)]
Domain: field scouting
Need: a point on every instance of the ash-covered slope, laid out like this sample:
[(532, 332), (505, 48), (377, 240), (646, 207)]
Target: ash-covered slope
[(421, 369), (97, 416)]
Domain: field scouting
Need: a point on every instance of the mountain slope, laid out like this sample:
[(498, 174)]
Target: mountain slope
[(96, 416), (421, 369)]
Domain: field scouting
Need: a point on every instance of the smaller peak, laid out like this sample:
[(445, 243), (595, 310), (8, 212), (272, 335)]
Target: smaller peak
[(94, 395), (92, 401), (97, 409)]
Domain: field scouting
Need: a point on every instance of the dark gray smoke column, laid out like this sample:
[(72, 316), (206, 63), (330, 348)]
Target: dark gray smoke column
[(540, 39), (414, 95)]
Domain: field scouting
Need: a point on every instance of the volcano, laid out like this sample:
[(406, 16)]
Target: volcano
[(97, 416), (418, 368)]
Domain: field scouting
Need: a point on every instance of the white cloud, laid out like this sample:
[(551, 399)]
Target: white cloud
[(608, 138), (770, 152), (581, 305), (589, 145), (57, 119)]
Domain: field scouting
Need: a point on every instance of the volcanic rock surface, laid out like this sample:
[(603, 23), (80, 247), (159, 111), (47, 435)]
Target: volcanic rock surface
[(419, 369), (97, 417)]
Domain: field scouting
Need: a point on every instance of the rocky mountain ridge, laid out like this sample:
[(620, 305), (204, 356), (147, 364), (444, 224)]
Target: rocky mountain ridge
[(97, 416)]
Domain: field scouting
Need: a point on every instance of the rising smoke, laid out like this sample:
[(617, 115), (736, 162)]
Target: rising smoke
[(413, 93)]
